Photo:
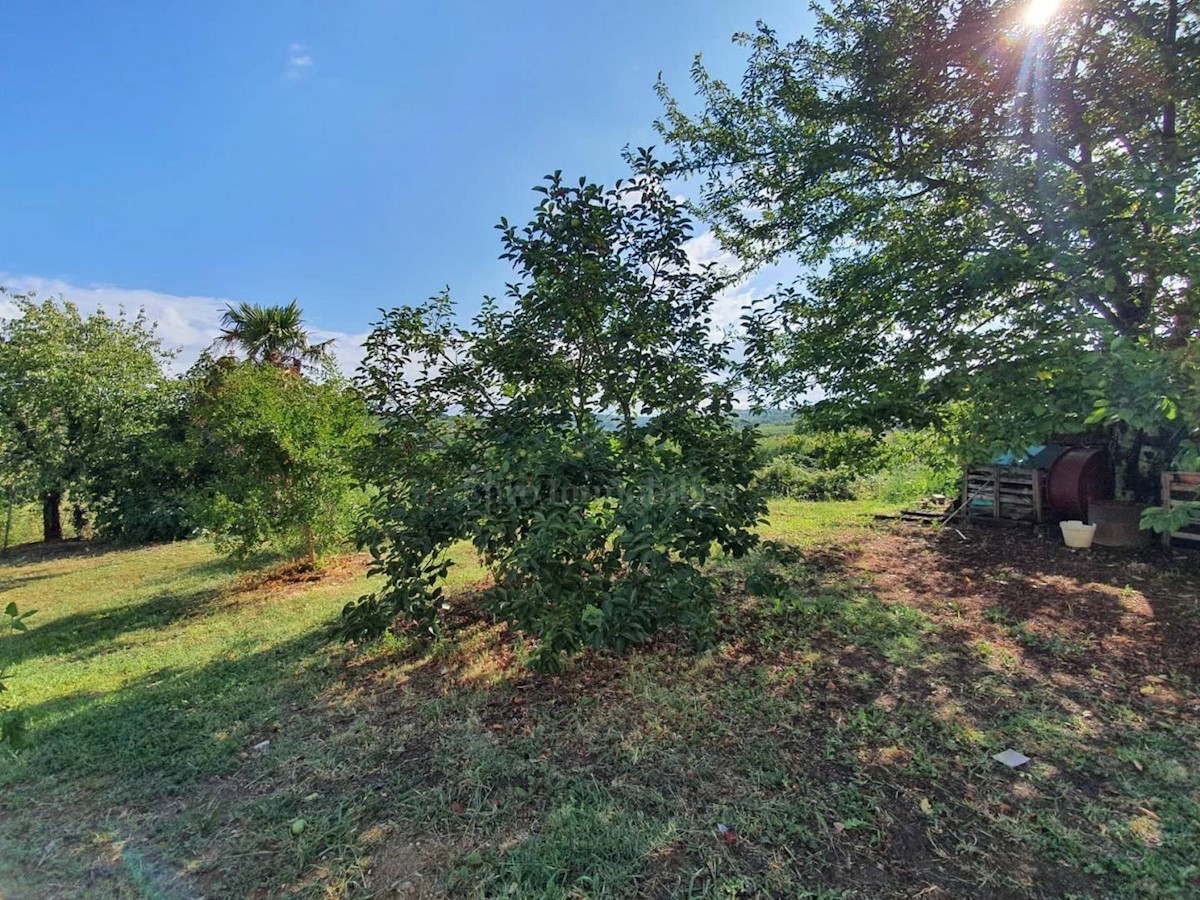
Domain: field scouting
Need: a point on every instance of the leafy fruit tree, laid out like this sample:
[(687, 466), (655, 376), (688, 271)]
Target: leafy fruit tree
[(272, 334), (984, 196), (72, 387), (278, 450), (494, 432), (140, 488)]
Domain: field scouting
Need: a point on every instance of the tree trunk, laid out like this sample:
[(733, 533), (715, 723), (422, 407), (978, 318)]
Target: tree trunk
[(52, 516), (79, 521)]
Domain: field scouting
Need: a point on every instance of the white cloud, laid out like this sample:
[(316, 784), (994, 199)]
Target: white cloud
[(732, 301), (705, 248), (188, 324), (728, 308), (299, 62)]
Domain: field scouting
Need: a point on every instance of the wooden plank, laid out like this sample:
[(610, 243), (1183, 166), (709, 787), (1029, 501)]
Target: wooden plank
[(1176, 490), (1166, 500), (1037, 497), (1004, 494)]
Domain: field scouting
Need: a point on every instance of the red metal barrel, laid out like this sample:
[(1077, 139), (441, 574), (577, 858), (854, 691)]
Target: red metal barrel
[(1077, 478)]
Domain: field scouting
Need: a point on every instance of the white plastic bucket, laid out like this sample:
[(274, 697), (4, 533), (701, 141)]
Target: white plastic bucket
[(1077, 534)]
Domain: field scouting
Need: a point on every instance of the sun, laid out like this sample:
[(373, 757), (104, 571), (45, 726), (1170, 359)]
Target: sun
[(1039, 12)]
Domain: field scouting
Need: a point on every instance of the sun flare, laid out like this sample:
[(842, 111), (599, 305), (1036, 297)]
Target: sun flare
[(1039, 12)]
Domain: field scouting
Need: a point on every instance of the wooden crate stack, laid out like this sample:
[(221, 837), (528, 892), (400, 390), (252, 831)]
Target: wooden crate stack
[(1181, 487), (1005, 493)]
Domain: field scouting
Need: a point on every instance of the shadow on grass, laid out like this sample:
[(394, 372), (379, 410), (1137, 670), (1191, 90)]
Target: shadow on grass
[(171, 728), (843, 730), (106, 778), (41, 551), (1108, 609), (935, 654), (86, 634), (8, 584)]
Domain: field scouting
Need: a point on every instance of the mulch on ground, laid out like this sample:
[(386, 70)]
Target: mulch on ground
[(1132, 612)]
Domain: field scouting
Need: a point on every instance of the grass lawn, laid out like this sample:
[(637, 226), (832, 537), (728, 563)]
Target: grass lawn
[(183, 716)]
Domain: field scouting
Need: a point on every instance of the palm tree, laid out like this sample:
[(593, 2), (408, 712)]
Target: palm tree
[(272, 334)]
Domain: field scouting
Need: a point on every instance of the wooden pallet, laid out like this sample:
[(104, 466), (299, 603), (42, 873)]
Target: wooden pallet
[(1181, 487), (1005, 494)]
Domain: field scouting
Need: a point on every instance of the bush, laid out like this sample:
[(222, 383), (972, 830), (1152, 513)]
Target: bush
[(830, 465), (785, 477), (280, 448), (853, 449), (905, 483), (926, 447), (140, 490), (495, 433), (911, 464)]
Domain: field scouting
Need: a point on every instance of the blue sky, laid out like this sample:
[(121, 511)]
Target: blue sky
[(350, 154)]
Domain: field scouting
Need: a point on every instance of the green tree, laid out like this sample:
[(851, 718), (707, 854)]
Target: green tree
[(139, 489), (982, 203), (278, 449), (71, 388), (494, 432), (272, 334)]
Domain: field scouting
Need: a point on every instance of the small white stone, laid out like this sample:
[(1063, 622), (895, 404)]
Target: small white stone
[(1011, 758)]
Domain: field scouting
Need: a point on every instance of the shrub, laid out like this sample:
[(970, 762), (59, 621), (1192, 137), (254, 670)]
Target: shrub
[(905, 483), (496, 433), (830, 465), (140, 490), (785, 477), (280, 449), (911, 464), (925, 447), (852, 449)]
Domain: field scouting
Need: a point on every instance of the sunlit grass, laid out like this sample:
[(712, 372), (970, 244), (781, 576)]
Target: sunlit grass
[(106, 619), (801, 522), (183, 715)]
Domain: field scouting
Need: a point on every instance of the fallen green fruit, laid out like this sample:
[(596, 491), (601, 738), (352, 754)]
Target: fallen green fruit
[(298, 826)]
